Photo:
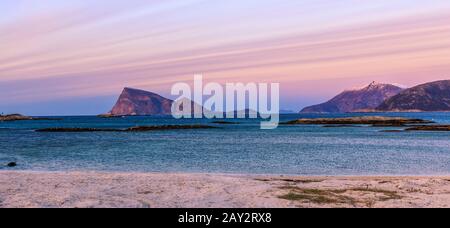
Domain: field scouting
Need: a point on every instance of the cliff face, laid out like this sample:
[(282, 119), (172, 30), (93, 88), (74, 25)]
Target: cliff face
[(433, 96), (140, 102), (367, 98)]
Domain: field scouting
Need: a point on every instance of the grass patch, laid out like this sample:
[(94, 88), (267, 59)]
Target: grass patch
[(290, 180), (334, 196), (311, 198), (317, 196), (388, 195), (302, 181), (262, 180)]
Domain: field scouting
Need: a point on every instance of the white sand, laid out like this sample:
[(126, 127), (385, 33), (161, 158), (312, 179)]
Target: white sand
[(93, 189)]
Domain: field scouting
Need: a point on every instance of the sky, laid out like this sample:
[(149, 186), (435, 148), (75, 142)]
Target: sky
[(74, 57)]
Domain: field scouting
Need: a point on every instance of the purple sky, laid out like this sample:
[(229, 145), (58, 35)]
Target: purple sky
[(74, 57)]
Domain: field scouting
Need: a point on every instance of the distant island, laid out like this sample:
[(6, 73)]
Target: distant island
[(14, 117), (19, 117), (135, 102), (378, 97)]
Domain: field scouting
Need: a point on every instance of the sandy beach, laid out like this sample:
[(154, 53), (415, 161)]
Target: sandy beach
[(170, 190)]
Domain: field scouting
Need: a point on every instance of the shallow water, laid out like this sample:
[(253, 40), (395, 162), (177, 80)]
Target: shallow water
[(242, 148)]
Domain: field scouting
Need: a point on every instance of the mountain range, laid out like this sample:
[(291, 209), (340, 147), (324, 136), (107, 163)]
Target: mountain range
[(429, 97), (433, 96), (367, 98)]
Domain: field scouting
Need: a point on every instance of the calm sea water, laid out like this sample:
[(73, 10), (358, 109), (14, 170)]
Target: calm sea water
[(243, 148)]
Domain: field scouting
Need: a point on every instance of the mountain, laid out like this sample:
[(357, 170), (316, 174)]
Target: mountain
[(134, 102), (433, 96), (367, 98)]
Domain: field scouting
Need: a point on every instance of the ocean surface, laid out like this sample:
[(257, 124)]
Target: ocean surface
[(241, 148)]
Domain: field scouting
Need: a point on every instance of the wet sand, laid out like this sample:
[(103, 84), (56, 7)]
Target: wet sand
[(172, 190)]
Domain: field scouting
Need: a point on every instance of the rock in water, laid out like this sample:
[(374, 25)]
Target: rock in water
[(430, 128), (12, 164), (367, 98), (362, 120), (132, 129)]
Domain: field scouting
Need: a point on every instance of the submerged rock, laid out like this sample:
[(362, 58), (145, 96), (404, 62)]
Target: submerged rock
[(430, 128), (340, 125), (168, 127), (365, 120), (109, 116), (132, 129), (392, 131), (224, 122), (75, 130)]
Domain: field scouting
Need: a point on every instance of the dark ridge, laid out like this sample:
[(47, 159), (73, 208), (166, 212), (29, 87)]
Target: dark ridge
[(429, 128), (393, 124), (77, 130), (340, 125), (224, 122), (109, 116), (392, 131), (132, 129), (45, 118), (367, 120), (168, 127)]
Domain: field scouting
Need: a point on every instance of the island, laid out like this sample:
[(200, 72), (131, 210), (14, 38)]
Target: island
[(363, 120), (19, 117), (14, 117)]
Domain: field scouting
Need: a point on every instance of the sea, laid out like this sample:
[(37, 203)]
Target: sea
[(230, 149)]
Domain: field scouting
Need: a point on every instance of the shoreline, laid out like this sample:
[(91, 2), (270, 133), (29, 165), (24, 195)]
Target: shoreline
[(273, 175), (201, 190), (286, 114)]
